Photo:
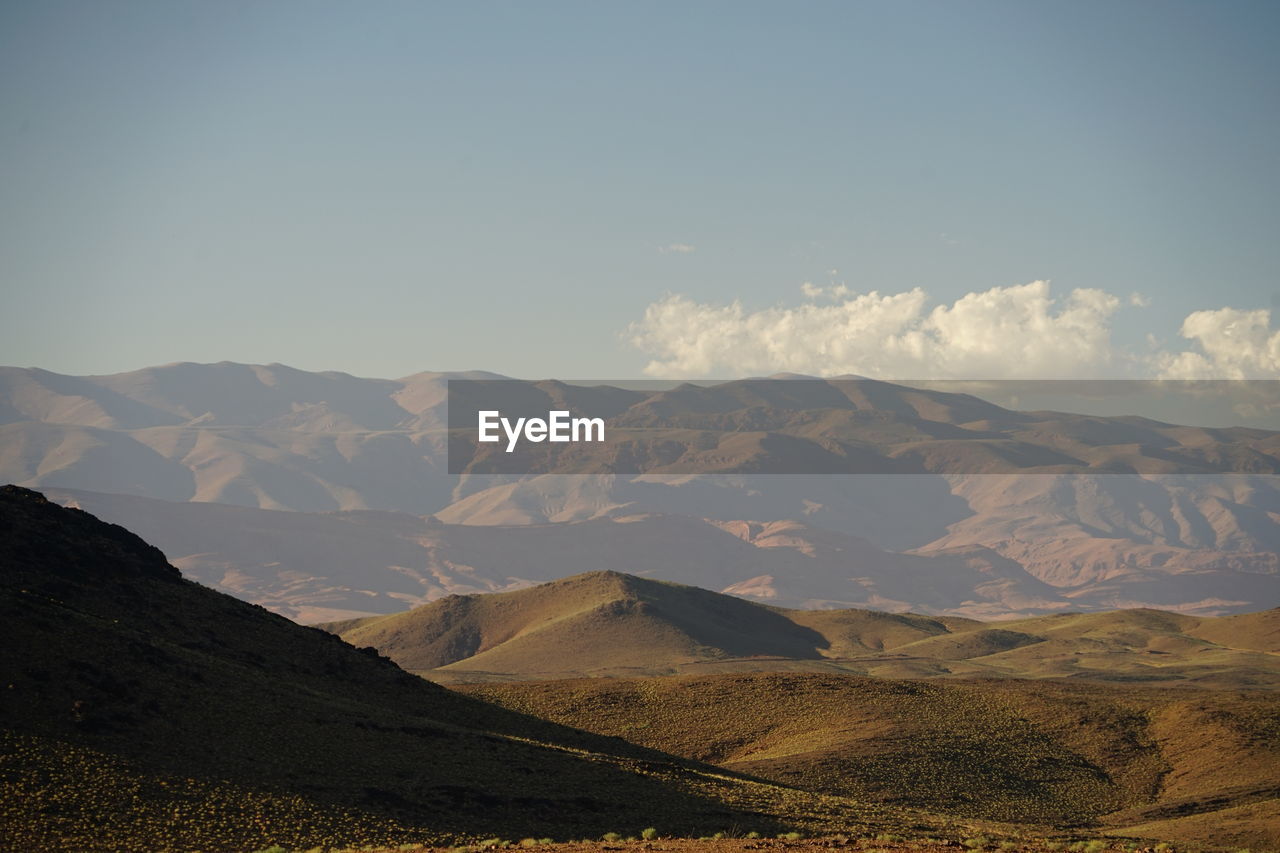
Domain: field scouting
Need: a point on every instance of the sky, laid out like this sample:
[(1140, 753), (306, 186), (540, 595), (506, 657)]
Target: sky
[(897, 189)]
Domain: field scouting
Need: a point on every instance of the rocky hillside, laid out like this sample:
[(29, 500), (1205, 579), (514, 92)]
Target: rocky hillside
[(143, 711)]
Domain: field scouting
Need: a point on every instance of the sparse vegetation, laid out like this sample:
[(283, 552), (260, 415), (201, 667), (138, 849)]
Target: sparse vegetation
[(608, 623), (1051, 753), (160, 715)]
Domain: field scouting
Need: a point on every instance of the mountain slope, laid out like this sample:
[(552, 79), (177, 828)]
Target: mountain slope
[(605, 623), (1130, 761), (599, 621), (143, 711)]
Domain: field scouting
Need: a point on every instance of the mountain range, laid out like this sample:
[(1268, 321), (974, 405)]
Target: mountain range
[(1007, 513), (324, 566)]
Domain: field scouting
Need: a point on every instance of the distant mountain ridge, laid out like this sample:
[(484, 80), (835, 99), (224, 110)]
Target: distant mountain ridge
[(830, 426), (225, 394), (325, 566), (281, 438), (275, 438)]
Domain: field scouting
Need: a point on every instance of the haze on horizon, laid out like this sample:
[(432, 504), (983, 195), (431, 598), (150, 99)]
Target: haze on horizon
[(901, 190)]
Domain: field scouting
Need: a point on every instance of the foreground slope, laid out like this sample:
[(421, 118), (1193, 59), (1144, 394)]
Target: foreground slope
[(143, 711), (1185, 764), (607, 623)]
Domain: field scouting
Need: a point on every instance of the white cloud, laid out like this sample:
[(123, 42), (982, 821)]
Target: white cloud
[(677, 249), (832, 291), (1229, 344), (1021, 331), (1018, 331)]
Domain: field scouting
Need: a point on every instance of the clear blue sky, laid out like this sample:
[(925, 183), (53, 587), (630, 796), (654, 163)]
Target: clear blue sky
[(386, 187)]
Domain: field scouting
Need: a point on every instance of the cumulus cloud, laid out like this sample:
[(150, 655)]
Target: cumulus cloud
[(677, 249), (1228, 344), (1004, 332)]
